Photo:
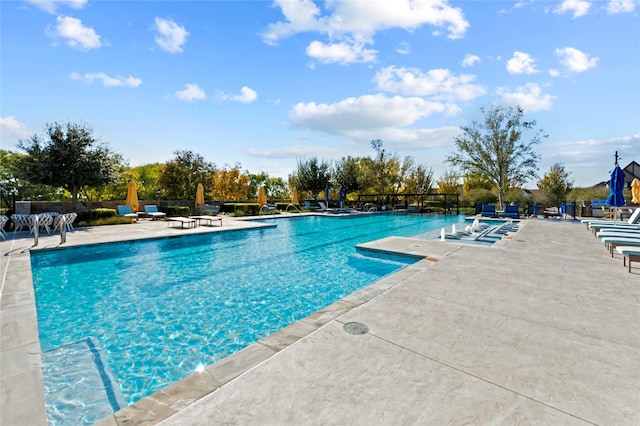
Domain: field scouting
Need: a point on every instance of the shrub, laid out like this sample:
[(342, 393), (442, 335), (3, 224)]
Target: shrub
[(94, 215), (173, 211)]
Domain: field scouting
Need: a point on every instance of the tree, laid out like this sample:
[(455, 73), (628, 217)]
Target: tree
[(420, 180), (495, 150), (70, 158), (448, 183), (345, 174), (180, 177), (557, 183), (312, 176), (230, 183)]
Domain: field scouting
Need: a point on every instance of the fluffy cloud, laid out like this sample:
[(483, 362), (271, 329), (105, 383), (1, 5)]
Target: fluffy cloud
[(470, 60), (171, 36), (343, 53), (78, 36), (440, 84), (360, 116), (117, 81), (246, 96), (192, 92), (521, 63), (355, 23), (529, 97), (621, 6), (575, 60), (51, 6), (577, 7), (10, 127)]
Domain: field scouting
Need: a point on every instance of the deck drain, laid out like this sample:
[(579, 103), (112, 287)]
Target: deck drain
[(355, 328)]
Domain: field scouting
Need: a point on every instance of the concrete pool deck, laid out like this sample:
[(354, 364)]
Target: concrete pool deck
[(543, 328)]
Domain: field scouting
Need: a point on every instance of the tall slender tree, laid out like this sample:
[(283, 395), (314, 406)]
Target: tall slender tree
[(495, 150), (313, 176)]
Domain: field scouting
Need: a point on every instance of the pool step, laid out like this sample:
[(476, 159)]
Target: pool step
[(79, 386), (388, 258)]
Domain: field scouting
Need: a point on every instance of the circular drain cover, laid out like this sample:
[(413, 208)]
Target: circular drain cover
[(355, 328)]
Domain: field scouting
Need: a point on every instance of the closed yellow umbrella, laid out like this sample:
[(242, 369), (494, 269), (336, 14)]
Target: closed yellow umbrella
[(132, 196), (635, 191), (294, 196), (199, 195), (262, 198)]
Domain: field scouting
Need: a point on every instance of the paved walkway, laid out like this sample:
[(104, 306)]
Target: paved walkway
[(541, 329)]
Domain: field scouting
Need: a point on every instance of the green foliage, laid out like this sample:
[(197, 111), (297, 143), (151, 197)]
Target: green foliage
[(312, 176), (448, 183), (475, 195), (180, 177), (69, 157), (419, 180), (556, 183), (345, 174), (174, 211), (588, 194), (495, 151), (94, 215)]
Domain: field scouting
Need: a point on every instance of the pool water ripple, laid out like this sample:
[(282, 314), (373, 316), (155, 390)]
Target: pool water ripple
[(161, 308)]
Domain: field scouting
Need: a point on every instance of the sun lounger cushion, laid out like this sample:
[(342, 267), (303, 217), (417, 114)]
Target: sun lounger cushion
[(126, 212)]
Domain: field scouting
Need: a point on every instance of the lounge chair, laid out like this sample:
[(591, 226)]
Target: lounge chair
[(191, 223), (629, 252), (488, 210), (126, 212), (551, 212), (618, 233), (511, 212), (308, 206), (633, 219), (613, 242), (153, 213)]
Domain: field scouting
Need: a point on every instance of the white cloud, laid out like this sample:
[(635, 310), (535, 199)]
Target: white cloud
[(342, 52), (171, 37), (354, 116), (575, 60), (192, 92), (621, 6), (470, 60), (356, 22), (529, 97), (295, 151), (51, 6), (577, 7), (403, 48), (246, 96), (77, 35), (440, 84), (117, 81), (521, 63), (10, 127)]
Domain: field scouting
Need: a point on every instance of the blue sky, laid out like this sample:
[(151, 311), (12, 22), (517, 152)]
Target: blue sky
[(268, 83)]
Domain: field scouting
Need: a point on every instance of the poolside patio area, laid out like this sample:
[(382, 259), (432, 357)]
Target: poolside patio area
[(542, 328)]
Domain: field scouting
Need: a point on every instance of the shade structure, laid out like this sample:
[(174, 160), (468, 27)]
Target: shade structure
[(262, 197), (326, 195), (132, 196), (199, 195), (294, 196), (616, 186), (635, 191)]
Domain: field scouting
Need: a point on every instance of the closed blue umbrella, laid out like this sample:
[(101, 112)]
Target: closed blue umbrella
[(326, 195), (341, 196), (616, 186)]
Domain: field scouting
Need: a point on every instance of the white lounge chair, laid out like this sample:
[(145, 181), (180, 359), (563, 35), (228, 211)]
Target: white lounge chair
[(3, 221), (153, 213), (629, 252), (613, 242), (633, 219)]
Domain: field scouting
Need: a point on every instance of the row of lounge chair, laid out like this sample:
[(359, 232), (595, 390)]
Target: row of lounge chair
[(619, 237), (510, 211)]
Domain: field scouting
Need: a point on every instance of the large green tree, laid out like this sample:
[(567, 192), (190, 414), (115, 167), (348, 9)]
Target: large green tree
[(180, 176), (345, 174), (495, 150), (556, 183), (67, 157), (313, 176)]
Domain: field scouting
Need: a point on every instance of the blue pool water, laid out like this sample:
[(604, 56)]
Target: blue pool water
[(156, 310)]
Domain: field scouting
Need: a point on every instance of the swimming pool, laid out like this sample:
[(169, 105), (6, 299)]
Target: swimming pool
[(151, 312)]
